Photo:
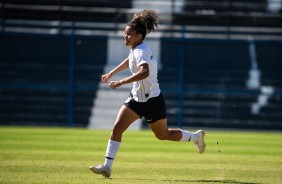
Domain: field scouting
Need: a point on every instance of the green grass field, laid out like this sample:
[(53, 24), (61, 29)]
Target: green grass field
[(60, 155)]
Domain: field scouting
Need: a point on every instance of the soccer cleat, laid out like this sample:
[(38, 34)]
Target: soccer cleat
[(200, 142), (101, 169)]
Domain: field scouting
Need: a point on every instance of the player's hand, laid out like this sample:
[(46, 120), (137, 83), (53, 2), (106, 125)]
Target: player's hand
[(115, 84), (106, 77)]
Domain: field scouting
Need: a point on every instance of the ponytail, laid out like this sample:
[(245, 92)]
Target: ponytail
[(144, 22)]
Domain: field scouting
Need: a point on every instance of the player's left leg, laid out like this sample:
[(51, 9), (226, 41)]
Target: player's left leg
[(163, 133), (174, 134)]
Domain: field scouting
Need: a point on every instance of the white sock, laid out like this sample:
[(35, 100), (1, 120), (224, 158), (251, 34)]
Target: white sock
[(111, 152), (187, 136)]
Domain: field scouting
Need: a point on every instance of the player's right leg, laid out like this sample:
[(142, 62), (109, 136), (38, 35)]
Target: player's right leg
[(124, 119)]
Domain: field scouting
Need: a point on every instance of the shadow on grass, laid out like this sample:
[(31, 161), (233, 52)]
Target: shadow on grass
[(197, 181), (212, 181)]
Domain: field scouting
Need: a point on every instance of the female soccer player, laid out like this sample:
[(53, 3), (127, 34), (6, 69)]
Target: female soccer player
[(145, 98)]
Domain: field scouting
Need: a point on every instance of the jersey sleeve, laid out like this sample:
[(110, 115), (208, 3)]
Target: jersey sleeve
[(141, 57)]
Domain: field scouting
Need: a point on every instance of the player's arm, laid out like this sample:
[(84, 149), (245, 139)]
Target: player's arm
[(142, 73), (122, 66)]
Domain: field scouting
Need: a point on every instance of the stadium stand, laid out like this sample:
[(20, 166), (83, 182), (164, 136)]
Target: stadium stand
[(205, 56), (49, 69), (35, 79), (229, 13), (214, 92)]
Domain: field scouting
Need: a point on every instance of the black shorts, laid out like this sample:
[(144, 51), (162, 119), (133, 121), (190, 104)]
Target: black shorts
[(153, 110)]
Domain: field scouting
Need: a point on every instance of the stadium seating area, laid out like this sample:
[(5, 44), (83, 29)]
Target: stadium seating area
[(36, 85), (67, 10), (229, 13), (52, 54), (213, 92)]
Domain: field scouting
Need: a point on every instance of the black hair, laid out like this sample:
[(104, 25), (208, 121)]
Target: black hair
[(144, 22)]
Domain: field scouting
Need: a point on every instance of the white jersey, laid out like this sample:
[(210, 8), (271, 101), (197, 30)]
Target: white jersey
[(149, 87)]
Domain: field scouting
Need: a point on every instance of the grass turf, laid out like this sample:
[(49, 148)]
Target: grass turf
[(60, 155)]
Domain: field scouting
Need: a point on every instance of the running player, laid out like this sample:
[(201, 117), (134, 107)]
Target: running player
[(146, 99)]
